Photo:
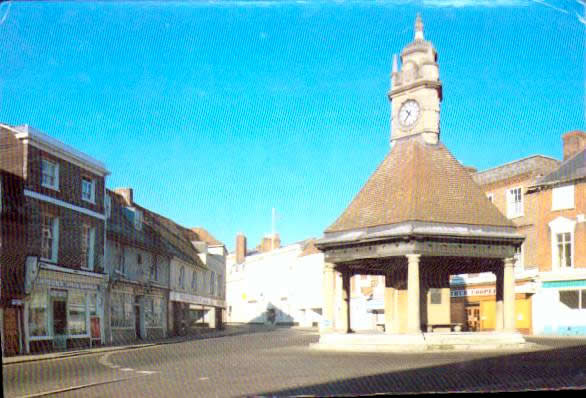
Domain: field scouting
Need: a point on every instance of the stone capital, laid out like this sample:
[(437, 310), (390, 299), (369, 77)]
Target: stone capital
[(413, 258), (509, 262)]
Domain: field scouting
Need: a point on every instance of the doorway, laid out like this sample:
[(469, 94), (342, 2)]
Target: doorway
[(473, 317), (137, 320), (59, 317)]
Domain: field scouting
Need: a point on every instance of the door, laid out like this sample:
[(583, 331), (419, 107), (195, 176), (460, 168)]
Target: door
[(473, 317), (59, 317), (137, 320)]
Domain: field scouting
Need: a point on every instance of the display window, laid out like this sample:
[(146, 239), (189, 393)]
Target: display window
[(121, 310), (77, 313), (38, 318)]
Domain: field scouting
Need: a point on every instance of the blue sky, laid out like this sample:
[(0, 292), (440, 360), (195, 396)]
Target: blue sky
[(215, 112)]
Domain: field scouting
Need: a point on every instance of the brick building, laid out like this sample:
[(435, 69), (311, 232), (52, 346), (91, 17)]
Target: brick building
[(12, 248), (473, 296), (63, 277), (560, 300), (138, 264)]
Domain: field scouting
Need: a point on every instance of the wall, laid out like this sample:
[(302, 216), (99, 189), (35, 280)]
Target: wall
[(70, 177), (70, 229)]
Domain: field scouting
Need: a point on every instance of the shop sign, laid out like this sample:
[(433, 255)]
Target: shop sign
[(487, 291), (59, 293), (66, 284), (188, 298)]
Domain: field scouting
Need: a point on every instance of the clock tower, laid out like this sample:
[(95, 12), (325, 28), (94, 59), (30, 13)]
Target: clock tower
[(416, 91)]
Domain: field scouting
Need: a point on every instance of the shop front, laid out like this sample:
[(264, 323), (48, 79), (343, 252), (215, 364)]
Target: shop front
[(137, 313), (191, 312), (65, 309), (474, 307)]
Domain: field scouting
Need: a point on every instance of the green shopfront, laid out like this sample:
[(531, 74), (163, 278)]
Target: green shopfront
[(64, 310)]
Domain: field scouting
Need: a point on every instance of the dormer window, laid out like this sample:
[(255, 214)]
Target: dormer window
[(88, 190), (50, 174)]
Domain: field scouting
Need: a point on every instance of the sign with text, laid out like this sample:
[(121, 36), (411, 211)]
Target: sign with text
[(485, 291), (189, 298)]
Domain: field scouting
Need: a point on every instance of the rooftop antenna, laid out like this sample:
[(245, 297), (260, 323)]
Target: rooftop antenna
[(273, 234)]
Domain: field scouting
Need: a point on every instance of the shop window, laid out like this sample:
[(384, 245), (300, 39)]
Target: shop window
[(77, 319), (153, 311), (573, 299), (121, 310), (50, 237), (88, 237), (37, 315)]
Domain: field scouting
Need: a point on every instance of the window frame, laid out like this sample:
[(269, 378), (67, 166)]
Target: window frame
[(89, 251), (55, 176), (562, 225), (581, 298), (513, 210), (561, 204), (194, 281), (92, 183), (55, 238)]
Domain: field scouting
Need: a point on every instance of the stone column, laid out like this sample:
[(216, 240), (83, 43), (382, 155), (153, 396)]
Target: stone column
[(499, 300), (509, 294), (389, 304), (413, 305), (327, 323), (345, 303)]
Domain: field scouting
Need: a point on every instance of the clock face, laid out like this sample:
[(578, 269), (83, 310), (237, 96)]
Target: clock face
[(409, 113)]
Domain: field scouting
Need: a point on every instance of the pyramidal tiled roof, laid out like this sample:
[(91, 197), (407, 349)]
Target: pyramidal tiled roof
[(419, 182)]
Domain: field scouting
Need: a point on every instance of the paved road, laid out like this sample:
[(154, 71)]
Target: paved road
[(280, 363)]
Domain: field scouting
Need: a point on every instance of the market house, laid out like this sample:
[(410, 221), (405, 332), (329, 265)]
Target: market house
[(419, 219)]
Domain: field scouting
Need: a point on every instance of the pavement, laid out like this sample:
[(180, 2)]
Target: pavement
[(229, 330), (278, 362)]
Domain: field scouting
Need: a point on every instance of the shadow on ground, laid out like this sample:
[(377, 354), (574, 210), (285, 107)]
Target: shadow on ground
[(559, 368)]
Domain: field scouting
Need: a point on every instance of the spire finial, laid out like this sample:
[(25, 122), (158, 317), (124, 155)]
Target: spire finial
[(418, 27), (395, 68)]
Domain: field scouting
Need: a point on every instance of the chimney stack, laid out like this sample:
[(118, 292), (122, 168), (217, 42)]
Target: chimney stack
[(269, 242), (126, 193), (240, 248), (574, 142)]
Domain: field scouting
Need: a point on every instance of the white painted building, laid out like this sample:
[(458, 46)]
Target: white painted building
[(282, 285)]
